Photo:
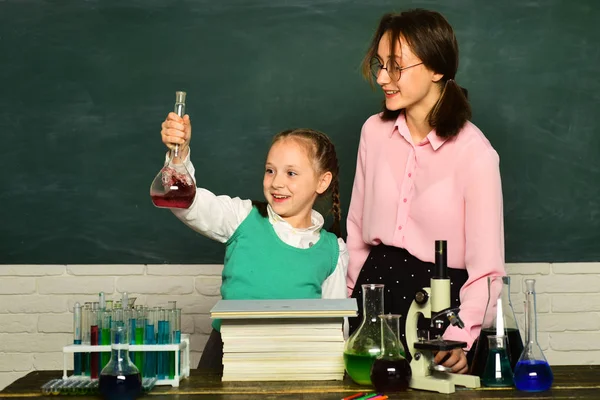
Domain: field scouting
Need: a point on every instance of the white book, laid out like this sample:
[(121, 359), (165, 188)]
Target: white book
[(289, 308), (283, 347), (307, 356), (266, 376)]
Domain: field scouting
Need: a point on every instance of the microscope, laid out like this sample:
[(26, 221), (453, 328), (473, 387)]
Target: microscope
[(433, 303)]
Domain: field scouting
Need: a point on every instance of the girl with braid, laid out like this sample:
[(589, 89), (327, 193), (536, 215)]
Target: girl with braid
[(275, 249)]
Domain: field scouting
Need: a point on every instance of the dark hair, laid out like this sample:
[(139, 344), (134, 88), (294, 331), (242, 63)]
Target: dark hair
[(322, 152), (432, 39)]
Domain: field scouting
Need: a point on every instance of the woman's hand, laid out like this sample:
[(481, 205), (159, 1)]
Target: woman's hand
[(177, 130), (455, 359)]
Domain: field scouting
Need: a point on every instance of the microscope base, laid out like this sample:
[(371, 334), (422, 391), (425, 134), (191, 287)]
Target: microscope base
[(442, 382)]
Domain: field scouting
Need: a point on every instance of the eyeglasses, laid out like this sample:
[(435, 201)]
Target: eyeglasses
[(394, 72)]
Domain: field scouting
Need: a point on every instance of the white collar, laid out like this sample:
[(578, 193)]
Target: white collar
[(316, 220)]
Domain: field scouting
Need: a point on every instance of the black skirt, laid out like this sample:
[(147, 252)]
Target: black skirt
[(403, 275)]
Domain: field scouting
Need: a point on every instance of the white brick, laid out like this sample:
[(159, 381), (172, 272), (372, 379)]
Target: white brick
[(51, 361), (516, 284), (187, 323), (209, 285), (34, 342), (181, 270), (195, 304), (55, 323), (528, 269), (203, 324), (567, 284), (576, 268), (542, 302), (543, 338), (17, 285), (197, 342), (6, 378), (575, 303), (75, 285), (91, 270), (575, 341), (572, 357), (18, 323), (32, 304), (155, 285), (568, 322), (31, 270), (15, 362)]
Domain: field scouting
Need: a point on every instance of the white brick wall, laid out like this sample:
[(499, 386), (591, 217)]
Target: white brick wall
[(36, 303)]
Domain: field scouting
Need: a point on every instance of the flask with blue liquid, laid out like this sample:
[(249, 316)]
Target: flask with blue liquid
[(532, 373)]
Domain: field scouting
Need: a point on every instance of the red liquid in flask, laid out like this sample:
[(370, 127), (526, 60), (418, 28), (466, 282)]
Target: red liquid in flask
[(391, 375), (178, 193)]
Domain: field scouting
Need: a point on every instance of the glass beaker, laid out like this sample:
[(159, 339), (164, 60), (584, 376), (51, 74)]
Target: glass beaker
[(497, 371), (173, 186), (499, 320), (120, 379), (532, 373), (364, 345), (391, 371)]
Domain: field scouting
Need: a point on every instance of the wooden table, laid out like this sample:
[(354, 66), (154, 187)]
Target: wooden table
[(570, 382)]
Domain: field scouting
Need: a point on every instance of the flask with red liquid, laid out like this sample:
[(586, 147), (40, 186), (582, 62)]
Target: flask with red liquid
[(173, 186)]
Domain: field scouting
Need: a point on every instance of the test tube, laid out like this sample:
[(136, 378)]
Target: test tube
[(95, 359), (138, 336), (109, 305), (175, 327), (85, 337), (150, 338), (102, 360), (105, 336), (125, 300), (77, 338), (163, 338), (101, 301)]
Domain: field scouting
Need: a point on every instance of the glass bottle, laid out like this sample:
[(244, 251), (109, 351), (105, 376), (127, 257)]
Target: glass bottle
[(532, 373), (391, 371), (173, 186), (499, 320), (120, 379), (497, 371), (364, 345)]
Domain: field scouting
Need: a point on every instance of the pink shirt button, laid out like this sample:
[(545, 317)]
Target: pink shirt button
[(405, 200), (399, 228), (409, 174)]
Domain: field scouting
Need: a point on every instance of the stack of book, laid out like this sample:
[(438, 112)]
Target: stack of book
[(283, 340)]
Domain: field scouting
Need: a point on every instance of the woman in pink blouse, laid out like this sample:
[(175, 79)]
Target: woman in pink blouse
[(424, 173)]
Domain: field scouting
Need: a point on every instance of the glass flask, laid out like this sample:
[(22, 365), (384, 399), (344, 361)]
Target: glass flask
[(499, 320), (391, 371), (532, 373), (497, 371), (364, 345), (173, 186), (120, 379)]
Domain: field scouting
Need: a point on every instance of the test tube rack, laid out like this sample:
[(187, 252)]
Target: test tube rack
[(180, 373)]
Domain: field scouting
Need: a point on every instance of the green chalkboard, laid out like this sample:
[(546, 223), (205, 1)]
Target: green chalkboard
[(84, 86)]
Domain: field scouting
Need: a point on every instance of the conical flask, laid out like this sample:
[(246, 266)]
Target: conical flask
[(532, 373), (364, 345), (499, 320), (173, 186), (391, 371), (497, 371), (120, 379)]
